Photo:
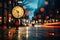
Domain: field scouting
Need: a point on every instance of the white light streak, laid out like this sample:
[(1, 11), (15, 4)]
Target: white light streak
[(27, 33)]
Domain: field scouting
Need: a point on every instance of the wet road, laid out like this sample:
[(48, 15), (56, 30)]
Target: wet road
[(39, 33), (35, 33)]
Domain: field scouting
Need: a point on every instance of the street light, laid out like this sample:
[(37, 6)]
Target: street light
[(39, 20), (33, 22), (53, 20)]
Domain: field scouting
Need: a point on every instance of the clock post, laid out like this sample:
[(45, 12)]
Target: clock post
[(18, 13)]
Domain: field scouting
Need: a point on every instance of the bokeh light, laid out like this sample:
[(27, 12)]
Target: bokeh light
[(42, 9)]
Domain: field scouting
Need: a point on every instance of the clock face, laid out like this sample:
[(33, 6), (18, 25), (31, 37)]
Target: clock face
[(17, 12)]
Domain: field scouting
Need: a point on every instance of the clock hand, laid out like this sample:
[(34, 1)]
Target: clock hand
[(17, 12)]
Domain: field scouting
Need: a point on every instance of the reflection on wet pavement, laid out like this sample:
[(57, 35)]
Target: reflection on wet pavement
[(31, 33)]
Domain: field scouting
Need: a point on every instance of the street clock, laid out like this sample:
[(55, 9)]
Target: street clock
[(17, 12)]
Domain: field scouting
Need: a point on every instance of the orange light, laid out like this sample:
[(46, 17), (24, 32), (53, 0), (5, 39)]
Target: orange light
[(12, 30), (11, 33), (42, 9), (49, 25), (45, 26)]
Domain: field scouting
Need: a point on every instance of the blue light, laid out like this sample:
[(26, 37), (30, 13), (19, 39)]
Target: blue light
[(32, 5)]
